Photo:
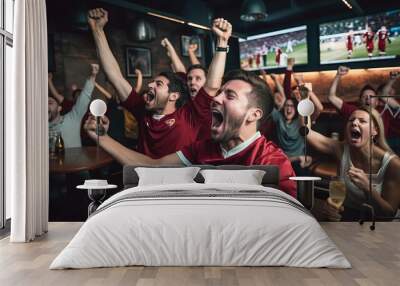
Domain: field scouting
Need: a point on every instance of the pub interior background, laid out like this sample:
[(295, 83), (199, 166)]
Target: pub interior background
[(71, 50)]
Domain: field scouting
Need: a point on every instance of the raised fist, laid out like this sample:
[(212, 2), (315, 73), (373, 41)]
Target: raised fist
[(165, 43), (95, 69), (138, 72), (97, 18), (342, 70), (222, 28), (192, 48)]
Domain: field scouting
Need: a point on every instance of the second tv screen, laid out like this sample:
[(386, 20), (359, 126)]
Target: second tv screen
[(271, 50), (372, 37)]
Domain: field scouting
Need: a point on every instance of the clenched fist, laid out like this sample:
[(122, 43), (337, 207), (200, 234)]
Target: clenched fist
[(222, 28), (342, 70), (90, 125), (95, 69), (97, 18)]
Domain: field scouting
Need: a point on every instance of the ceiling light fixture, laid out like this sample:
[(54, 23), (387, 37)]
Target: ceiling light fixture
[(166, 17), (253, 11), (347, 4), (199, 26)]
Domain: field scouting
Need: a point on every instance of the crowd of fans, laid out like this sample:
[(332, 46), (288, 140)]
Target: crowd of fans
[(199, 115)]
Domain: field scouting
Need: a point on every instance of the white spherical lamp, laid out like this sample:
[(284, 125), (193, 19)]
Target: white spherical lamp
[(305, 107)]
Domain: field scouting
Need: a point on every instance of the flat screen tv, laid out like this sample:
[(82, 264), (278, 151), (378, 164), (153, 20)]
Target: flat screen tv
[(271, 50), (373, 37)]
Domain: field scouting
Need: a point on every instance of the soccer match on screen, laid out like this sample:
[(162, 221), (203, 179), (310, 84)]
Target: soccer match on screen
[(271, 50), (364, 38)]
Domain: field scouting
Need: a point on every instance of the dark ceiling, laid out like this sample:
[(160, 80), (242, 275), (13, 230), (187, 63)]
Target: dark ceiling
[(281, 13)]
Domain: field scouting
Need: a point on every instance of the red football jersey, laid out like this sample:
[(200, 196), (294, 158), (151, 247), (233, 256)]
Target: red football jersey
[(160, 137), (349, 43), (259, 152), (382, 37), (369, 41)]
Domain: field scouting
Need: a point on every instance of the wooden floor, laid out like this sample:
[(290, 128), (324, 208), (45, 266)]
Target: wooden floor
[(375, 257)]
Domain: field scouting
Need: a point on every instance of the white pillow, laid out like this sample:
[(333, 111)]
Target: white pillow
[(164, 176), (248, 177)]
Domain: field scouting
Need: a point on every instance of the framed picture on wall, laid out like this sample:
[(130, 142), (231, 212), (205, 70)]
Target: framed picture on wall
[(138, 58), (189, 40)]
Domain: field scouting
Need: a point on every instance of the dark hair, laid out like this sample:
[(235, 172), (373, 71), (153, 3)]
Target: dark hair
[(193, 67), (261, 91), (176, 84), (295, 103), (366, 87)]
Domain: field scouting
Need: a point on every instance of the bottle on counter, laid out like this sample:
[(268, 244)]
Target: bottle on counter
[(59, 149)]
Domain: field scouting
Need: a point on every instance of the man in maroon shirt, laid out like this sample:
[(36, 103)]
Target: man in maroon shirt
[(237, 110), (366, 99), (163, 127)]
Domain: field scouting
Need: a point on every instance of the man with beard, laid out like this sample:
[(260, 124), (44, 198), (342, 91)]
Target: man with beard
[(69, 125), (195, 78), (237, 110), (163, 127)]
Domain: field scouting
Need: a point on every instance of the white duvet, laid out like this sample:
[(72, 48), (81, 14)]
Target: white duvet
[(190, 230)]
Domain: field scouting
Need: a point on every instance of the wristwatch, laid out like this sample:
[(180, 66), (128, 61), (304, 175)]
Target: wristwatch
[(221, 49)]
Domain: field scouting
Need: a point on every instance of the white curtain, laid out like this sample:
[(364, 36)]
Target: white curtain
[(27, 124)]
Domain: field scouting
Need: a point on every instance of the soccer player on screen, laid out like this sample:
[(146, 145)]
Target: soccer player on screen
[(369, 41), (349, 44), (383, 36), (278, 53)]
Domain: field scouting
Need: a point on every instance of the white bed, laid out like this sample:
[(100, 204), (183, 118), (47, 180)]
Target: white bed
[(203, 225)]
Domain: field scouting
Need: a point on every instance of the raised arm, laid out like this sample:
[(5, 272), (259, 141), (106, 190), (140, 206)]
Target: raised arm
[(317, 104), (53, 91), (192, 54), (97, 19), (82, 103), (332, 97), (176, 61), (223, 30), (287, 81), (122, 154), (139, 80), (280, 98), (324, 144)]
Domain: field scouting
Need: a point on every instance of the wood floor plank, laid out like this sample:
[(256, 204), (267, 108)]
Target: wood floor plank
[(375, 257)]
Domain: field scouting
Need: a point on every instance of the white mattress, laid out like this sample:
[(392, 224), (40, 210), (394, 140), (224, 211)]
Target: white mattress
[(185, 230)]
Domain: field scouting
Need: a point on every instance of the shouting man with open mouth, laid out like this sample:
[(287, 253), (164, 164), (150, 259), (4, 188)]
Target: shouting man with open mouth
[(237, 110), (166, 124)]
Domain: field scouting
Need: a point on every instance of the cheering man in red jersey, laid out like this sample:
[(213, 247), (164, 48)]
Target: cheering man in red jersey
[(237, 111), (164, 127)]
